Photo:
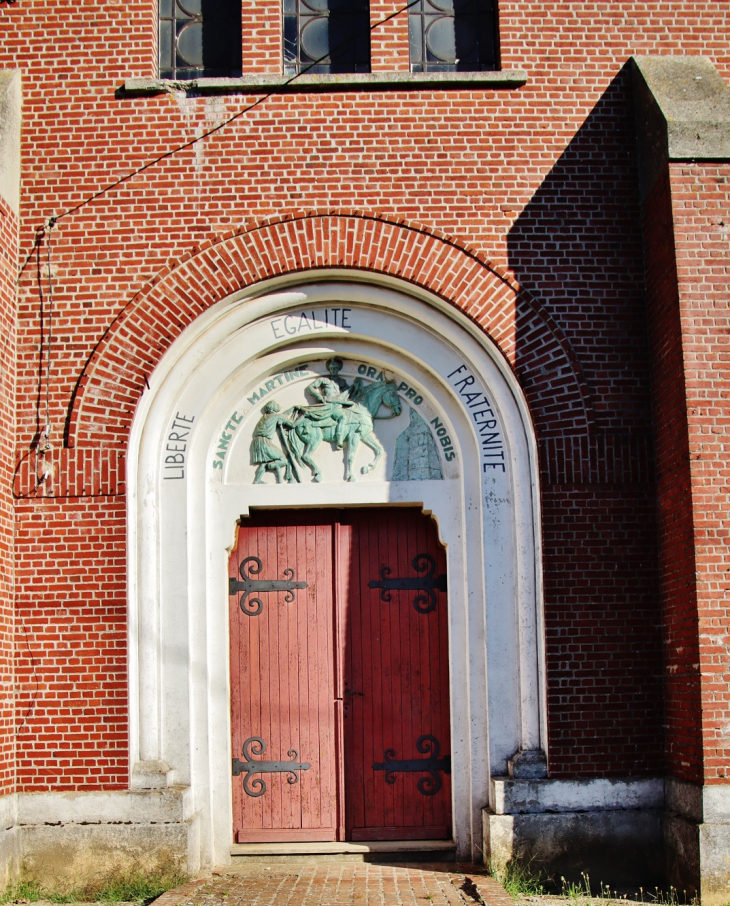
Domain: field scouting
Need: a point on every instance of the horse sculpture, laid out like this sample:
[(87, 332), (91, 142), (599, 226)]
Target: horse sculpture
[(352, 424)]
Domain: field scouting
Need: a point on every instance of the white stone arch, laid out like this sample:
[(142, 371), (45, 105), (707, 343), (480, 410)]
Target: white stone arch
[(181, 529)]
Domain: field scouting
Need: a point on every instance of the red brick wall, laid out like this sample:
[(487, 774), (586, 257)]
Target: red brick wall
[(602, 628), (676, 531), (701, 207), (8, 276), (540, 181), (686, 231), (261, 36), (72, 653), (389, 44)]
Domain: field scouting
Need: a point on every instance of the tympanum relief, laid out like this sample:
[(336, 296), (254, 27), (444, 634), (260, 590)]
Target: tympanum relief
[(378, 424)]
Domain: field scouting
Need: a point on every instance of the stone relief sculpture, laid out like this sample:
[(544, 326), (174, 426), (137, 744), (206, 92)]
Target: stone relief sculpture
[(332, 405), (264, 455), (334, 367), (342, 415), (416, 453)]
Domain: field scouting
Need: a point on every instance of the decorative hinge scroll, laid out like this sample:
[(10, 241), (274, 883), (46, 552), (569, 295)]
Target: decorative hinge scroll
[(427, 584), (252, 606), (432, 764), (255, 745)]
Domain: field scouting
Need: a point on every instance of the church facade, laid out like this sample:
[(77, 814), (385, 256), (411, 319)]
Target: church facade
[(364, 435)]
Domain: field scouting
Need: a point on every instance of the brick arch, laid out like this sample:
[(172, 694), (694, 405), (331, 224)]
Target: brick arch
[(115, 375)]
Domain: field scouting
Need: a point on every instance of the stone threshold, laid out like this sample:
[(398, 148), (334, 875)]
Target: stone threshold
[(362, 81), (337, 848)]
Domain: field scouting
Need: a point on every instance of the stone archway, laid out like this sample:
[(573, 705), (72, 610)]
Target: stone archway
[(191, 479), (119, 367)]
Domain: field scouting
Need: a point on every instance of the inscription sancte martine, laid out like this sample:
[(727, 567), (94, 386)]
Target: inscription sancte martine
[(278, 380), (479, 407), (225, 438)]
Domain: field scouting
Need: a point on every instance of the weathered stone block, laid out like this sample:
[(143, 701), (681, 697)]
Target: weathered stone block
[(619, 848), (69, 855)]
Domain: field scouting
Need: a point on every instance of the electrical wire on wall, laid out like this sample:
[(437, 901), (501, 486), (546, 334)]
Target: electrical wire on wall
[(45, 448), (42, 446), (39, 454), (199, 138)]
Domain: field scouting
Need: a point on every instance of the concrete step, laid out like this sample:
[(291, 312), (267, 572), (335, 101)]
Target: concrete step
[(375, 851)]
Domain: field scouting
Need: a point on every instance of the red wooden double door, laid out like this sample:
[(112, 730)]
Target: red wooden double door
[(339, 677)]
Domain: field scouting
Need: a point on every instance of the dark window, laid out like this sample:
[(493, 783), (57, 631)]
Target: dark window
[(334, 32), (453, 35), (200, 38)]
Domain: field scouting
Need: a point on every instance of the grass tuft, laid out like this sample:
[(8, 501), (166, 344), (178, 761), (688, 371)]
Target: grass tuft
[(577, 891), (121, 888), (22, 891), (518, 879), (672, 897)]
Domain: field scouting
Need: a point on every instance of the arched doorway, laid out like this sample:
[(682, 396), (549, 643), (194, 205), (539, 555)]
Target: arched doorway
[(460, 449)]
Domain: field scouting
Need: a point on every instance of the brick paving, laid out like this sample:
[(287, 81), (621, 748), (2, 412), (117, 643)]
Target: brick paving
[(340, 883)]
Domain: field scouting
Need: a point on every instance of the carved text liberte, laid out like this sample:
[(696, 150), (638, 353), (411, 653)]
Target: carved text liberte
[(176, 446)]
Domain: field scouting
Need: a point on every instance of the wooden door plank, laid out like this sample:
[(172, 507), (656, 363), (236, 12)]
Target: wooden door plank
[(292, 799), (287, 835), (424, 624), (342, 538), (250, 657), (405, 832), (272, 713), (442, 683), (360, 722), (376, 743), (324, 625), (418, 693), (391, 545), (314, 655), (256, 678), (236, 668), (353, 716), (307, 734)]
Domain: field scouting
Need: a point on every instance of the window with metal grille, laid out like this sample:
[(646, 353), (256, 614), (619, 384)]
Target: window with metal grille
[(453, 35), (199, 38), (333, 34)]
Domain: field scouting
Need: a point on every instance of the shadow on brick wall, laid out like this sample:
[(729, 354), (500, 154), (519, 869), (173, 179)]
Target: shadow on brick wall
[(577, 248)]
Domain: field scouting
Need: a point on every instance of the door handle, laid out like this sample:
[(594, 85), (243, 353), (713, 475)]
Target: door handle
[(352, 692)]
